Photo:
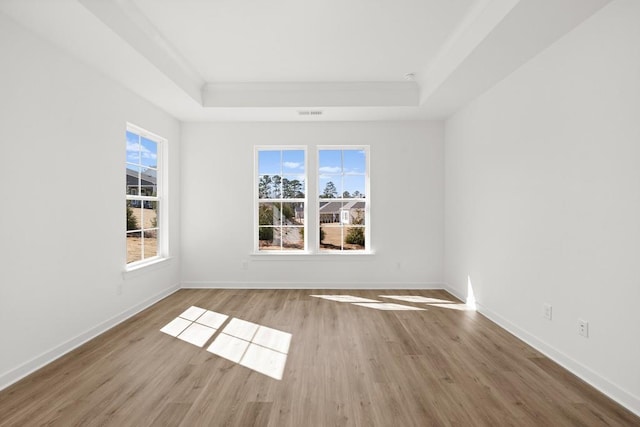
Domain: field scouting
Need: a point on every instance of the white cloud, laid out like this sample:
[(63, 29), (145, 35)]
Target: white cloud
[(292, 165), (134, 150), (330, 169)]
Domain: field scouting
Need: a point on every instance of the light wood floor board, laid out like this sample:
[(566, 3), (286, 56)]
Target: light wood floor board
[(347, 365)]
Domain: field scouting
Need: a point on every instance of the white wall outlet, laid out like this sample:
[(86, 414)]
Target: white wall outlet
[(546, 311), (119, 289), (583, 328), (245, 264)]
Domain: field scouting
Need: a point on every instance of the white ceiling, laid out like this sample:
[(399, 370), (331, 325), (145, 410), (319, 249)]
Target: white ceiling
[(305, 41), (203, 60)]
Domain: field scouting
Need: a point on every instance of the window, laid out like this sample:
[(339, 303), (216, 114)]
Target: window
[(343, 210), (281, 199), (143, 195)]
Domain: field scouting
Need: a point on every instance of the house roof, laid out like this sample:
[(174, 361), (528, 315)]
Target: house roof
[(335, 207)]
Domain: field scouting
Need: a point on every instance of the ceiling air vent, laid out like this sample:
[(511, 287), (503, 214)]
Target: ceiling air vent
[(310, 112)]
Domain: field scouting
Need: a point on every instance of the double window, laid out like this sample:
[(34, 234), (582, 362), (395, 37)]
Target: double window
[(143, 195), (340, 213)]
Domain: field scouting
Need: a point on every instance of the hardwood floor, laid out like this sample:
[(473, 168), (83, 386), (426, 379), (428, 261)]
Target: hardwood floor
[(347, 365)]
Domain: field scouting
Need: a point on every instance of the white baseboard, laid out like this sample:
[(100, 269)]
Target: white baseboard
[(309, 285), (454, 292), (10, 377), (616, 393)]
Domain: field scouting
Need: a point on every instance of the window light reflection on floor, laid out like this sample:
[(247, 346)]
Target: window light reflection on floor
[(256, 347), (253, 346), (433, 302)]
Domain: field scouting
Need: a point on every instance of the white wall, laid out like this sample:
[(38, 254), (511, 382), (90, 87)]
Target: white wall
[(406, 200), (542, 185), (62, 215)]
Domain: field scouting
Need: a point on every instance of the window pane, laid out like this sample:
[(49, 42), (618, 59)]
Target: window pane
[(150, 212), (134, 215), (330, 212), (133, 148), (330, 161), (331, 236), (354, 186), (134, 247), (269, 238), (293, 187), (354, 238), (353, 213), (354, 162), (292, 238), (148, 152), (269, 162), (133, 179), (330, 187), (148, 182), (270, 187), (269, 213), (293, 161), (150, 243), (293, 213)]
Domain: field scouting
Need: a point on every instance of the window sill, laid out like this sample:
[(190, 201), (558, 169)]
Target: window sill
[(304, 254), (144, 267)]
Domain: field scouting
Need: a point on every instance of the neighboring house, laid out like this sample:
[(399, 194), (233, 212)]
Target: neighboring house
[(331, 212), (148, 186)]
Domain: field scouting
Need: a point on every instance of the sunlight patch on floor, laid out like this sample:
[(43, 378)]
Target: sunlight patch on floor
[(387, 306), (253, 346)]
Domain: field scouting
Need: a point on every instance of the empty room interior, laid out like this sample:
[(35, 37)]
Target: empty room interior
[(338, 213)]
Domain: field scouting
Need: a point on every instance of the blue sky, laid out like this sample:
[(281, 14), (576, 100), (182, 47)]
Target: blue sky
[(141, 151), (345, 168)]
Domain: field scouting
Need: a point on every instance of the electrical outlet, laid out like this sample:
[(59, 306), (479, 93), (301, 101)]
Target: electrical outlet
[(546, 311), (245, 264), (583, 328), (119, 289)]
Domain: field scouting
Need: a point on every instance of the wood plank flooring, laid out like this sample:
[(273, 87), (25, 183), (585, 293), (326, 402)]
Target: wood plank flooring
[(347, 366)]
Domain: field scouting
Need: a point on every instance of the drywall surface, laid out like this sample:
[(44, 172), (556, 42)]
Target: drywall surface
[(62, 221), (542, 200), (406, 206)]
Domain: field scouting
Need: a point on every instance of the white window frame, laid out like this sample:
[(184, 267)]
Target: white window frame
[(257, 199), (366, 200), (160, 198)]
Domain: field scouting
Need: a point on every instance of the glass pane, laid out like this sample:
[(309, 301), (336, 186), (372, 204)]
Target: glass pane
[(293, 238), (133, 148), (150, 243), (134, 247), (331, 237), (134, 215), (354, 238), (329, 212), (353, 213), (148, 152), (293, 213), (269, 238), (150, 214), (270, 187), (148, 182), (293, 161), (293, 187), (354, 162), (354, 186), (269, 162), (330, 187), (269, 213), (330, 162), (133, 179)]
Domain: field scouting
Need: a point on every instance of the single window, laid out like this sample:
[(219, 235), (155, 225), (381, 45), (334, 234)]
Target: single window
[(143, 196), (281, 202), (343, 206)]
